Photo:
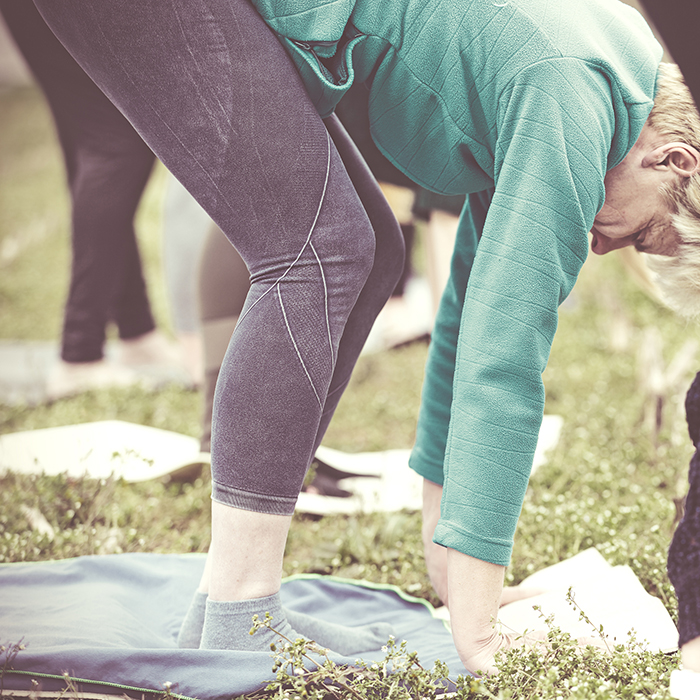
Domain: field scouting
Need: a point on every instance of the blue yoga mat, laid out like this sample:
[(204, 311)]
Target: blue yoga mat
[(111, 622)]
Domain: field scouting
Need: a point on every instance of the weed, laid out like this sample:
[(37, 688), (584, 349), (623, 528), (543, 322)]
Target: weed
[(304, 670), (560, 668), (8, 653)]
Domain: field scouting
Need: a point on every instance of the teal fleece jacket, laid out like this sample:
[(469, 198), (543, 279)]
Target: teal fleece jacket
[(528, 103)]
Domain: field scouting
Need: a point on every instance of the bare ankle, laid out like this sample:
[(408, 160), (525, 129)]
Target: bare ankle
[(690, 655), (247, 553)]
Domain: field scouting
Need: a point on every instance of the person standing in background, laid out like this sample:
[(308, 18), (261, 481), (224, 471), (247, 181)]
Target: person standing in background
[(673, 21), (107, 167)]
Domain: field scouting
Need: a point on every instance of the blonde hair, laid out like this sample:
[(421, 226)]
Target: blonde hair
[(676, 117)]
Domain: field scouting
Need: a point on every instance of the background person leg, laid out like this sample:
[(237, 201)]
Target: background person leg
[(186, 228), (223, 284), (107, 166)]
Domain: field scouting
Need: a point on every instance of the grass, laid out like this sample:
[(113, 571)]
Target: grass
[(612, 482)]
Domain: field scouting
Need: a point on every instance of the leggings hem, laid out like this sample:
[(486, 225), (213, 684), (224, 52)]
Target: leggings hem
[(256, 502)]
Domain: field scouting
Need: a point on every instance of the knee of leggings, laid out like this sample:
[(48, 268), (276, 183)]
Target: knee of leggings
[(345, 244), (390, 252), (360, 256), (394, 251)]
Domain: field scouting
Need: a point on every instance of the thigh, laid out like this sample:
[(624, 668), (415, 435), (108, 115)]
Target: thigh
[(213, 93)]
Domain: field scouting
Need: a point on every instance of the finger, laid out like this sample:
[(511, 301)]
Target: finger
[(596, 642), (512, 594), (527, 639)]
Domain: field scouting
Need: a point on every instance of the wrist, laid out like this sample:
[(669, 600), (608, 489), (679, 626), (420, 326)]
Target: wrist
[(474, 588), (477, 584)]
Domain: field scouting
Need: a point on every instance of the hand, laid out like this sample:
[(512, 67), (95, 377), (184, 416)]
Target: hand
[(475, 592), (512, 594), (480, 658), (435, 555)]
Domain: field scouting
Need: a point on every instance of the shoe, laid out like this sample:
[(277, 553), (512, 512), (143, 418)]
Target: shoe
[(71, 378), (151, 348), (192, 357)]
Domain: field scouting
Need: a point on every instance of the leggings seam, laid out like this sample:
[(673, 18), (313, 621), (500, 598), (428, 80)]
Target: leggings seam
[(340, 387), (296, 347), (325, 297), (308, 238)]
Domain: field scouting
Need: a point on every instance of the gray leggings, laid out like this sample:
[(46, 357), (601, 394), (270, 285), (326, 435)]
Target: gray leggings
[(213, 93)]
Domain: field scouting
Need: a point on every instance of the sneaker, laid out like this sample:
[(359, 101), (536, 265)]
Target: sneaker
[(151, 348), (71, 378)]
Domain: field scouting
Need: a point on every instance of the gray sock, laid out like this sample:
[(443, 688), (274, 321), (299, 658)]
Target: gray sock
[(346, 641), (227, 624), (191, 629)]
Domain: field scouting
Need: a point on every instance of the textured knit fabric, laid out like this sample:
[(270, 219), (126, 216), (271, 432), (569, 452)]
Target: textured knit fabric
[(684, 553), (531, 102), (321, 244)]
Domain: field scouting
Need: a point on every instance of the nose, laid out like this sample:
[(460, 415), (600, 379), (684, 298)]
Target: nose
[(602, 244)]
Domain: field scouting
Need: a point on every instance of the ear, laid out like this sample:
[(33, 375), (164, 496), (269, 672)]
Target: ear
[(681, 158)]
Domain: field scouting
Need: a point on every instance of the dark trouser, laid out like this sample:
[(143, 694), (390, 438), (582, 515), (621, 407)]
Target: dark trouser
[(107, 165), (672, 21), (684, 559), (676, 22), (215, 96), (223, 287)]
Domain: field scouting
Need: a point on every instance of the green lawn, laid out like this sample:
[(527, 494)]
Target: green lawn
[(611, 483)]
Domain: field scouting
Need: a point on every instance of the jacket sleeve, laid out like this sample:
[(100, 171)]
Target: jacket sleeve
[(555, 127), (306, 20)]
